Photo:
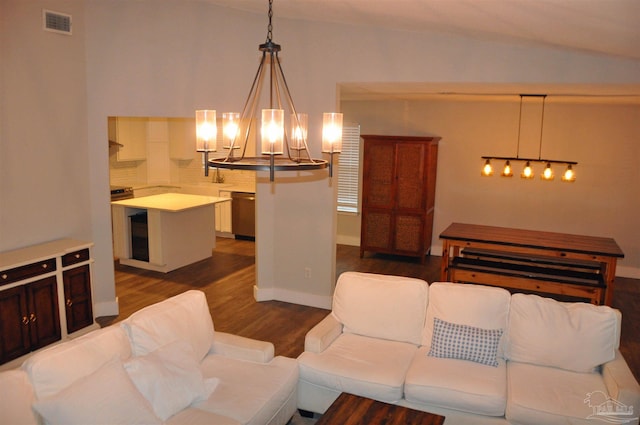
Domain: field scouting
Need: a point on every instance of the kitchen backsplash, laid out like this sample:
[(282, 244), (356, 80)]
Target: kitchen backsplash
[(134, 173)]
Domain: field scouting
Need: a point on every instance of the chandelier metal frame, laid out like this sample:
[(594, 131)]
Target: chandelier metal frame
[(295, 157)]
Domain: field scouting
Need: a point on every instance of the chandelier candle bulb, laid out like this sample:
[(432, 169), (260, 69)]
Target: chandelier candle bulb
[(272, 131), (332, 132), (206, 130), (230, 127), (206, 134), (299, 129)]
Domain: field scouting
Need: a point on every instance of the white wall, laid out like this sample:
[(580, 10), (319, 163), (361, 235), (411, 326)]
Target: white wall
[(44, 157), (170, 57)]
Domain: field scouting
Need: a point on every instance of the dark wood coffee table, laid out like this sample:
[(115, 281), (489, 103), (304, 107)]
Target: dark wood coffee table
[(351, 409)]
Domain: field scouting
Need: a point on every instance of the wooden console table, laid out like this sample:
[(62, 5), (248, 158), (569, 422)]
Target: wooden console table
[(557, 263)]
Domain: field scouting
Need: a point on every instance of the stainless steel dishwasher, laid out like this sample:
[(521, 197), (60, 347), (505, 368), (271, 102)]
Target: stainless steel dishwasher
[(243, 215)]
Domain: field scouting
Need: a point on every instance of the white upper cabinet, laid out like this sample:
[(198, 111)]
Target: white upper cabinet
[(131, 134), (182, 138)]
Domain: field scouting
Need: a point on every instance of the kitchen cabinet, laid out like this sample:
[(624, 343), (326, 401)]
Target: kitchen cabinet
[(398, 192), (45, 296), (131, 134), (182, 138), (29, 318), (223, 214)]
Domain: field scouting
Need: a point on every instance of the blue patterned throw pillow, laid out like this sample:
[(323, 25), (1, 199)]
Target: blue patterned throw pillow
[(453, 341)]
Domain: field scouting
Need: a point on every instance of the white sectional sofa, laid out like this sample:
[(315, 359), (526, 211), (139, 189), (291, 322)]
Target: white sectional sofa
[(474, 354), (164, 364)]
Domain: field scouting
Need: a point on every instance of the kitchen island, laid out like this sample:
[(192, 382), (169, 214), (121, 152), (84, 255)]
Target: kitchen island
[(164, 232)]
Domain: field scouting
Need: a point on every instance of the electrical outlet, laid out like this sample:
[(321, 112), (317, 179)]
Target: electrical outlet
[(307, 273)]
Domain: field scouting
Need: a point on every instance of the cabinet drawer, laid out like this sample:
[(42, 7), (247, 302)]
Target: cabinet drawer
[(25, 272), (75, 257)]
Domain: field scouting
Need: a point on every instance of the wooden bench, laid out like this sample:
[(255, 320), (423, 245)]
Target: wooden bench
[(540, 274)]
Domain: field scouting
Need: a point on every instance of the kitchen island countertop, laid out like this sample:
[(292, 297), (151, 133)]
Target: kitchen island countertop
[(171, 202)]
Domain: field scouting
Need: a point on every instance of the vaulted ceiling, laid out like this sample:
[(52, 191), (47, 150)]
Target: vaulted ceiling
[(610, 27)]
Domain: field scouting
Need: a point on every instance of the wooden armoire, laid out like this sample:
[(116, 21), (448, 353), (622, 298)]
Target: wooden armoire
[(398, 191)]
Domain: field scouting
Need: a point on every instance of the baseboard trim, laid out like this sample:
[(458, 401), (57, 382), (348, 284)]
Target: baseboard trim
[(294, 297), (109, 308)]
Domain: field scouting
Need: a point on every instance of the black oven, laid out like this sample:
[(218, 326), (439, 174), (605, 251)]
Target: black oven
[(119, 193)]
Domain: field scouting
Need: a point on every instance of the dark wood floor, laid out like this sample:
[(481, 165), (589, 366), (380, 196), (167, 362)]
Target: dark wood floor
[(228, 277)]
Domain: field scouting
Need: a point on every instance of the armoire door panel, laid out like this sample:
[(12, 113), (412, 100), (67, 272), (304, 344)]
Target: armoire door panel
[(380, 180), (410, 176), (409, 230), (378, 230)]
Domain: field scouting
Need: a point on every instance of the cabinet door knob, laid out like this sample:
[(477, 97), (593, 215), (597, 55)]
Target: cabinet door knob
[(33, 317), (44, 266), (4, 276), (77, 255), (69, 302), (25, 320)]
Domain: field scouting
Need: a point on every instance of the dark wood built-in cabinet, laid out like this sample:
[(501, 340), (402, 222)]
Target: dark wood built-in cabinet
[(77, 293), (29, 318), (45, 295), (398, 194)]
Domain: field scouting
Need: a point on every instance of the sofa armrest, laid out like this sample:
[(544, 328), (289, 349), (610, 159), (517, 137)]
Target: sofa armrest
[(322, 334), (242, 348), (620, 382), (16, 396)]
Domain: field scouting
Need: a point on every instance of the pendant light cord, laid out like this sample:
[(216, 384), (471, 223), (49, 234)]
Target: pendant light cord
[(519, 129), (544, 97)]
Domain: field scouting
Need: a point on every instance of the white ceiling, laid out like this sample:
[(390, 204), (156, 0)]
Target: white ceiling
[(610, 27)]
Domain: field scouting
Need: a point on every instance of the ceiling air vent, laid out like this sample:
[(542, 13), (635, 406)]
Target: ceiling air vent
[(56, 22)]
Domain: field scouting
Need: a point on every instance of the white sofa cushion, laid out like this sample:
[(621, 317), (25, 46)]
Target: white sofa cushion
[(169, 378), (571, 336), (249, 392), (369, 367), (183, 317), (456, 384), (368, 304), (107, 397), (546, 395), (59, 366), (480, 306), (454, 341)]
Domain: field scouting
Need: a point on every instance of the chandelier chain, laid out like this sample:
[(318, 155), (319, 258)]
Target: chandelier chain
[(270, 26)]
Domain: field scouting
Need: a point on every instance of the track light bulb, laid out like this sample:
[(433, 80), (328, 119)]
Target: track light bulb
[(527, 172), (547, 174), (487, 170), (569, 175), (507, 171)]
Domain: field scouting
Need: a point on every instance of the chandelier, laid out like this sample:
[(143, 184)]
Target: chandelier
[(283, 147), (547, 174)]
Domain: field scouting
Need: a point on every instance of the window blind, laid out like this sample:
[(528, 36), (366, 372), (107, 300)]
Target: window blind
[(349, 169)]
